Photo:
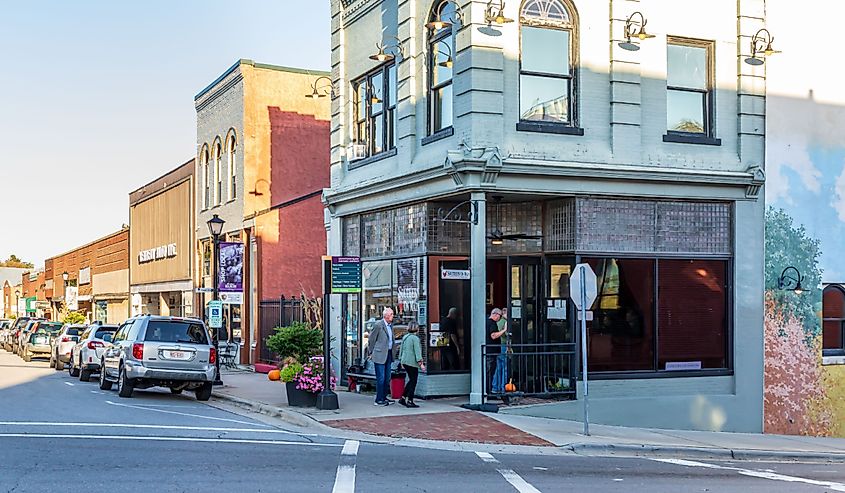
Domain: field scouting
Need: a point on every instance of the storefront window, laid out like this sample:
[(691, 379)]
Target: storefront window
[(378, 289), (621, 334), (684, 328), (447, 345)]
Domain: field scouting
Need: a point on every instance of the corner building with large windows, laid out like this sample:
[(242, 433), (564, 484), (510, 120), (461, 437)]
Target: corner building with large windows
[(480, 160)]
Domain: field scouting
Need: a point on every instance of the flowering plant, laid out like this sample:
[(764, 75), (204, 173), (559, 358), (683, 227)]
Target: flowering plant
[(310, 379)]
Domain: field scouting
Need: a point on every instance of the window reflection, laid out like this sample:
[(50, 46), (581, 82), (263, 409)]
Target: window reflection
[(688, 87), (544, 99)]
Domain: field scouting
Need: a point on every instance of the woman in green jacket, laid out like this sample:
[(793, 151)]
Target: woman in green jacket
[(410, 356)]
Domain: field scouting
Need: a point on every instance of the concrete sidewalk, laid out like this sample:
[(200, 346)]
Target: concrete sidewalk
[(444, 420)]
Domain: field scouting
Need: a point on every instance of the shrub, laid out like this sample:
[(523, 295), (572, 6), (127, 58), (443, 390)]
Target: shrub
[(291, 371), (74, 318), (298, 341)]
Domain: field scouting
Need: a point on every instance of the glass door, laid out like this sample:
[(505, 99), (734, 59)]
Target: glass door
[(558, 312), (521, 364)]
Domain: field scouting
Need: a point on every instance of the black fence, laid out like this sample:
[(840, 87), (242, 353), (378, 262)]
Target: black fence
[(535, 370), (272, 314)]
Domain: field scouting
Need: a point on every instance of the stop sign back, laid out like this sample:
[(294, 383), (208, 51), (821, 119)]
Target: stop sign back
[(583, 272)]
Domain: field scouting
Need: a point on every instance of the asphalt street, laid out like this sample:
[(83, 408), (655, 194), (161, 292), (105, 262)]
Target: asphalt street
[(57, 433)]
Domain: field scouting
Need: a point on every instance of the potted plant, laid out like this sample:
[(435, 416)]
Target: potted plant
[(298, 345)]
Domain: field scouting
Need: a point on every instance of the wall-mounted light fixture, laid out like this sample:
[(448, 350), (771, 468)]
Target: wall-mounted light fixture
[(786, 281), (634, 28), (65, 275), (387, 56), (761, 44), (495, 14), (448, 62), (440, 22), (321, 91)]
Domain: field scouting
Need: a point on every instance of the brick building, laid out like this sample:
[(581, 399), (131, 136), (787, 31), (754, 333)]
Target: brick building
[(97, 282), (262, 163)]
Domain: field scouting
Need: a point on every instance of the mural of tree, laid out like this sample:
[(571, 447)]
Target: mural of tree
[(795, 400), (788, 245)]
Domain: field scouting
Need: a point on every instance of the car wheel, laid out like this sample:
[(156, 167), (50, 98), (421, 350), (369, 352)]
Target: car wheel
[(74, 372), (26, 357), (124, 385), (203, 392), (59, 366), (104, 383), (175, 390), (84, 375)]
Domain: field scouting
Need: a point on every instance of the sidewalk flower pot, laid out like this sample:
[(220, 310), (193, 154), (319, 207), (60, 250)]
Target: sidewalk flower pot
[(300, 398)]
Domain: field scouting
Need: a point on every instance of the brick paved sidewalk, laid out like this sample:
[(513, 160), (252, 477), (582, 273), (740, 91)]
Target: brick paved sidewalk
[(459, 426)]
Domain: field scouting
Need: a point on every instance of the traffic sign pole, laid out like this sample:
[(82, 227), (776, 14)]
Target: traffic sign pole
[(583, 310)]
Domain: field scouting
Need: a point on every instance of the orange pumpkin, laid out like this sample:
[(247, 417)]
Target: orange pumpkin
[(274, 375), (510, 387)]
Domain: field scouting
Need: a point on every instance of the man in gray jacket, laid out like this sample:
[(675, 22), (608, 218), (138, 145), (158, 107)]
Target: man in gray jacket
[(380, 346)]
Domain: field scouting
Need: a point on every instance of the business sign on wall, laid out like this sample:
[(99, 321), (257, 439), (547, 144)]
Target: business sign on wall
[(157, 253), (85, 275), (231, 274)]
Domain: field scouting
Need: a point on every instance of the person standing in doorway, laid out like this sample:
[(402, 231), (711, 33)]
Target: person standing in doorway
[(452, 352), (493, 344), (410, 355), (380, 346)]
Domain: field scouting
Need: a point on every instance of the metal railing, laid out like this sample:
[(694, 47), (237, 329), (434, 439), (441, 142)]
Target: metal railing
[(276, 313), (535, 370)]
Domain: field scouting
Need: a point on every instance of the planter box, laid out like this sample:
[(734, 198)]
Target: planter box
[(300, 398)]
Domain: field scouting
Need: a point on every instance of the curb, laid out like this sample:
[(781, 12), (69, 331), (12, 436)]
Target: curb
[(625, 450), (291, 417)]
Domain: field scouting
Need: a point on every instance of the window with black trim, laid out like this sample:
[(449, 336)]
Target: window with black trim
[(833, 321), (374, 112), (441, 55), (689, 84), (547, 79)]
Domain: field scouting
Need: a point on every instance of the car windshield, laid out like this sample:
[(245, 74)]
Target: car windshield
[(102, 331), (176, 331), (50, 327), (73, 332)]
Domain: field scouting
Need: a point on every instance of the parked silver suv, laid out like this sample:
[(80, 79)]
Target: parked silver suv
[(156, 351)]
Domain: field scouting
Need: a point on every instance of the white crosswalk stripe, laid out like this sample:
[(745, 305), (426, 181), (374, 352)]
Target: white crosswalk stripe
[(344, 481), (521, 485), (756, 474)]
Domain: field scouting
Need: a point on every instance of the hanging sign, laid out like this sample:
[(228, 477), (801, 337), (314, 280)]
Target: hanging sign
[(455, 274), (231, 264)]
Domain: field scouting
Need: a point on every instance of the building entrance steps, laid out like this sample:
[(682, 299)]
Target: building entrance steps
[(444, 420)]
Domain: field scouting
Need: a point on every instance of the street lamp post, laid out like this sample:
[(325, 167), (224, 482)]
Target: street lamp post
[(215, 227), (17, 303)]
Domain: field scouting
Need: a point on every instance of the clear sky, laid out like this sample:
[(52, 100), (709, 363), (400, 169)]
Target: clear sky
[(96, 99)]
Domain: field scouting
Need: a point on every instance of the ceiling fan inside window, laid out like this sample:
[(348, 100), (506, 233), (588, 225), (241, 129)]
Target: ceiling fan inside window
[(496, 237)]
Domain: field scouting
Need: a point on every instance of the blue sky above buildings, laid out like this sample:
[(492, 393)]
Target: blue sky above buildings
[(96, 99)]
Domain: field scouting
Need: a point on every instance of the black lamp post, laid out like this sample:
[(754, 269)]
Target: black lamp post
[(789, 282), (215, 227), (17, 302)]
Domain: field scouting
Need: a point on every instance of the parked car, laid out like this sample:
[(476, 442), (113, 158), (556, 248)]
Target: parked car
[(63, 344), (86, 354), (38, 344), (5, 328), (23, 335), (158, 351), (14, 330)]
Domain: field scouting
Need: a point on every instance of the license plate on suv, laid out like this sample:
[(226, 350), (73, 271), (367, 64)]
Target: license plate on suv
[(181, 355)]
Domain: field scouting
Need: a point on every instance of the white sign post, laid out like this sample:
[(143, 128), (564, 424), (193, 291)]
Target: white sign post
[(583, 291)]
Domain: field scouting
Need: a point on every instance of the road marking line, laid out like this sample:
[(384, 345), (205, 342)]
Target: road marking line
[(168, 439), (521, 485), (154, 427), (344, 481), (486, 457), (350, 447), (68, 383), (538, 468), (187, 414), (757, 474)]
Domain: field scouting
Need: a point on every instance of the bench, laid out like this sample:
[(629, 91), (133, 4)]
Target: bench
[(370, 378)]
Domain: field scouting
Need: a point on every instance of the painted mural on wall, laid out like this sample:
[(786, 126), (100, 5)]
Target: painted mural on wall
[(805, 229)]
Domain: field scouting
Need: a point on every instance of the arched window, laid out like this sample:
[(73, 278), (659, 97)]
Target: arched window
[(231, 144), (206, 177), (547, 62), (218, 171), (833, 319), (441, 53)]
